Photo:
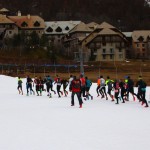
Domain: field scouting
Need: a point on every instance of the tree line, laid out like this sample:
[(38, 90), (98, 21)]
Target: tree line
[(128, 15)]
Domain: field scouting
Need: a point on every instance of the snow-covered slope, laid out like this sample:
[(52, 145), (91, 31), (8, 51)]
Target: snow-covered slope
[(40, 123)]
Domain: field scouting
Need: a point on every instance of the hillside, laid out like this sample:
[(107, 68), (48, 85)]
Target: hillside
[(125, 14)]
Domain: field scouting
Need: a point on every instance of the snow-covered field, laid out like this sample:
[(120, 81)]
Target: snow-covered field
[(40, 123)]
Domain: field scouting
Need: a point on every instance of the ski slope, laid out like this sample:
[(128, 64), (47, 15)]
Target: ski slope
[(40, 123)]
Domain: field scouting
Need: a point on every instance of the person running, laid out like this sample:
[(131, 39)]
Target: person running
[(58, 84), (122, 86), (82, 79), (65, 84), (37, 85), (20, 86), (98, 87), (29, 86), (41, 85), (109, 83), (141, 91), (116, 87), (49, 85), (130, 88), (75, 88), (88, 84), (103, 87)]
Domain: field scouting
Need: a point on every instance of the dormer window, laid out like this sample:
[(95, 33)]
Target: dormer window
[(141, 39), (36, 24), (58, 29), (67, 28), (49, 29), (24, 24)]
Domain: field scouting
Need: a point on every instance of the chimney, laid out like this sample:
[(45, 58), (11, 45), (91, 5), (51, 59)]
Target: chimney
[(28, 16), (19, 13), (95, 26)]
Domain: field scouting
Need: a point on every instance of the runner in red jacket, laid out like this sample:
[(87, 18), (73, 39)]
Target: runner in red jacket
[(75, 87)]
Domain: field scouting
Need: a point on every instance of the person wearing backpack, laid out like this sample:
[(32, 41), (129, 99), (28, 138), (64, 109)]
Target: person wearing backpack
[(75, 88), (141, 91)]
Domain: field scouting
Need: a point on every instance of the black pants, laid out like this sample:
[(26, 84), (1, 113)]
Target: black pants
[(29, 86), (116, 96), (122, 93), (141, 96), (103, 90), (58, 90), (78, 96), (83, 91)]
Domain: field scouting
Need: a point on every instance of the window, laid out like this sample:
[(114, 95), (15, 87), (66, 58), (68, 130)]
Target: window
[(143, 45), (120, 50), (104, 56), (58, 29), (36, 24), (104, 50), (111, 50), (104, 43), (10, 32), (24, 24), (120, 56), (49, 29), (111, 57), (67, 28), (137, 45)]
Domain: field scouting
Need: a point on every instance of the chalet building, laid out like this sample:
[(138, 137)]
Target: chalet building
[(73, 39), (129, 45), (29, 23), (55, 30), (141, 44), (105, 43), (4, 11), (7, 28)]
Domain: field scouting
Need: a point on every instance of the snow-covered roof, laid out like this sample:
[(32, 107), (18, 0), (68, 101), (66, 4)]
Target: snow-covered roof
[(128, 34), (4, 10), (60, 27)]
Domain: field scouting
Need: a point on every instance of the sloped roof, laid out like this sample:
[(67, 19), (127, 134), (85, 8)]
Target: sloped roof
[(82, 27), (106, 25), (107, 31), (92, 24), (66, 26), (4, 10), (29, 20), (5, 20), (140, 33)]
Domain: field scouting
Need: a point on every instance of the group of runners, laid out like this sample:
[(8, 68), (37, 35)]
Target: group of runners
[(117, 90)]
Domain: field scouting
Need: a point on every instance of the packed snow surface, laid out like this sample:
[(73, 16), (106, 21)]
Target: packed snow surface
[(42, 123)]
